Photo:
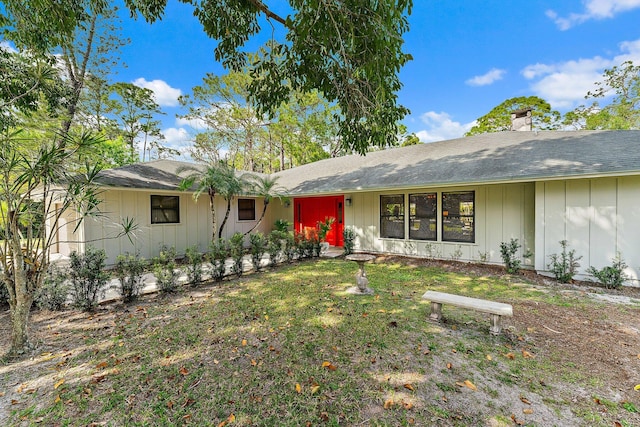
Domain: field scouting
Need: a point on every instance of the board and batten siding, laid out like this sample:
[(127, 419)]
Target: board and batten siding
[(598, 218), (502, 212), (194, 227)]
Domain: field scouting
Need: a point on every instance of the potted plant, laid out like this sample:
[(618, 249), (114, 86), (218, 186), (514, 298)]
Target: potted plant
[(323, 229)]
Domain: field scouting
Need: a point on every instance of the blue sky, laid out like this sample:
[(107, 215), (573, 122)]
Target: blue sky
[(469, 56)]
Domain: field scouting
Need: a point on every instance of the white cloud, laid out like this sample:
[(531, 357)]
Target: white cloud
[(594, 9), (166, 96), (488, 78), (178, 139), (5, 45), (565, 84), (440, 127), (192, 123)]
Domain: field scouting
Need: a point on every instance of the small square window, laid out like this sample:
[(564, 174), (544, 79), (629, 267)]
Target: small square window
[(246, 209), (165, 209), (423, 216)]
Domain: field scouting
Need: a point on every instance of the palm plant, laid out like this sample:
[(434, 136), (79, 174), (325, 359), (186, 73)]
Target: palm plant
[(233, 185), (206, 180), (266, 187)]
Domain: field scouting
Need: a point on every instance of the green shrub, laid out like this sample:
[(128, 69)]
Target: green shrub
[(53, 293), (565, 265), (349, 237), (236, 246), (88, 278), (508, 252), (282, 225), (611, 276), (195, 259), (130, 270), (164, 268), (291, 248), (275, 242), (219, 251), (258, 249)]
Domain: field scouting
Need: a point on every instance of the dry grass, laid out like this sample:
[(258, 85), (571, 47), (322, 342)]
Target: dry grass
[(291, 348)]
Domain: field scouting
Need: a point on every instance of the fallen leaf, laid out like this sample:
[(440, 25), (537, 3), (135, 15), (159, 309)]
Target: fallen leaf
[(324, 416), (409, 387), (244, 343), (510, 356), (637, 387), (102, 365), (298, 388), (58, 384), (253, 362), (527, 355), (388, 404), (57, 399), (470, 385), (184, 371), (170, 404), (329, 366), (266, 317), (525, 400), (617, 424), (14, 401), (315, 388), (216, 361), (515, 420), (449, 366), (407, 405), (489, 357), (527, 411)]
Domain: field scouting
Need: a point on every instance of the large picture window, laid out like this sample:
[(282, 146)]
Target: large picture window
[(165, 209), (392, 216), (246, 209), (458, 216), (423, 216)]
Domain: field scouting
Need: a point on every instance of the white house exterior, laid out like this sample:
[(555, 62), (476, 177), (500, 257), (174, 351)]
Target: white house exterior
[(451, 199), (537, 187)]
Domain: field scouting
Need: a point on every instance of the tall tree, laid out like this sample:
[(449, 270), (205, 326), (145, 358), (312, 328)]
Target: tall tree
[(499, 118), (622, 83), (135, 112), (351, 52)]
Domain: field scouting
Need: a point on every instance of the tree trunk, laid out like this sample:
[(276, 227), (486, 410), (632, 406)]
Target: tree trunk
[(226, 217), (264, 211), (20, 302), (212, 206), (20, 323)]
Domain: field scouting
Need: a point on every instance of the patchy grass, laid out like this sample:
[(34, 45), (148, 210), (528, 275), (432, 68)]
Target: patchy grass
[(291, 348)]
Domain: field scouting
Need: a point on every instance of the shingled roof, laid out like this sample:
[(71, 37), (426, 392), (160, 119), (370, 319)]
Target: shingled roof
[(487, 158)]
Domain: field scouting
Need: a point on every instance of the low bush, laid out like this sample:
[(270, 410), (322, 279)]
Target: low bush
[(236, 247), (611, 276), (219, 251), (508, 252), (195, 260), (258, 249), (88, 278), (565, 265), (164, 268), (276, 240), (130, 270), (53, 293), (349, 238)]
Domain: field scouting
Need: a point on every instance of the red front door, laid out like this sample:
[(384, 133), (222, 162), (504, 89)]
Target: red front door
[(309, 210)]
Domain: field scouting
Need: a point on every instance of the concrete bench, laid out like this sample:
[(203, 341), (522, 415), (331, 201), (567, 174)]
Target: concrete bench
[(495, 309)]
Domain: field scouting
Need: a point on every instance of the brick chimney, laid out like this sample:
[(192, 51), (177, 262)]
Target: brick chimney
[(521, 120)]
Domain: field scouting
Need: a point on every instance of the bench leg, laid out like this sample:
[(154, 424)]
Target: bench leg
[(436, 311), (495, 325)]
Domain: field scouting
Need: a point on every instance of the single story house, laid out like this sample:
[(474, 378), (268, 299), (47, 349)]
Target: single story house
[(451, 199)]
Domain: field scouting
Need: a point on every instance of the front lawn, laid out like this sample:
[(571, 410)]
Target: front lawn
[(290, 347)]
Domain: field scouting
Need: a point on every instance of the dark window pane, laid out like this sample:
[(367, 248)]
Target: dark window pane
[(165, 209), (246, 209), (423, 213), (458, 217), (392, 216)]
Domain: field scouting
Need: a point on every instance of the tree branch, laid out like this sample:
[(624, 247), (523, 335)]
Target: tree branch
[(264, 9)]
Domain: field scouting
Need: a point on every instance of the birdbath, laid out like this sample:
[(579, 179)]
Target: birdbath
[(362, 282)]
